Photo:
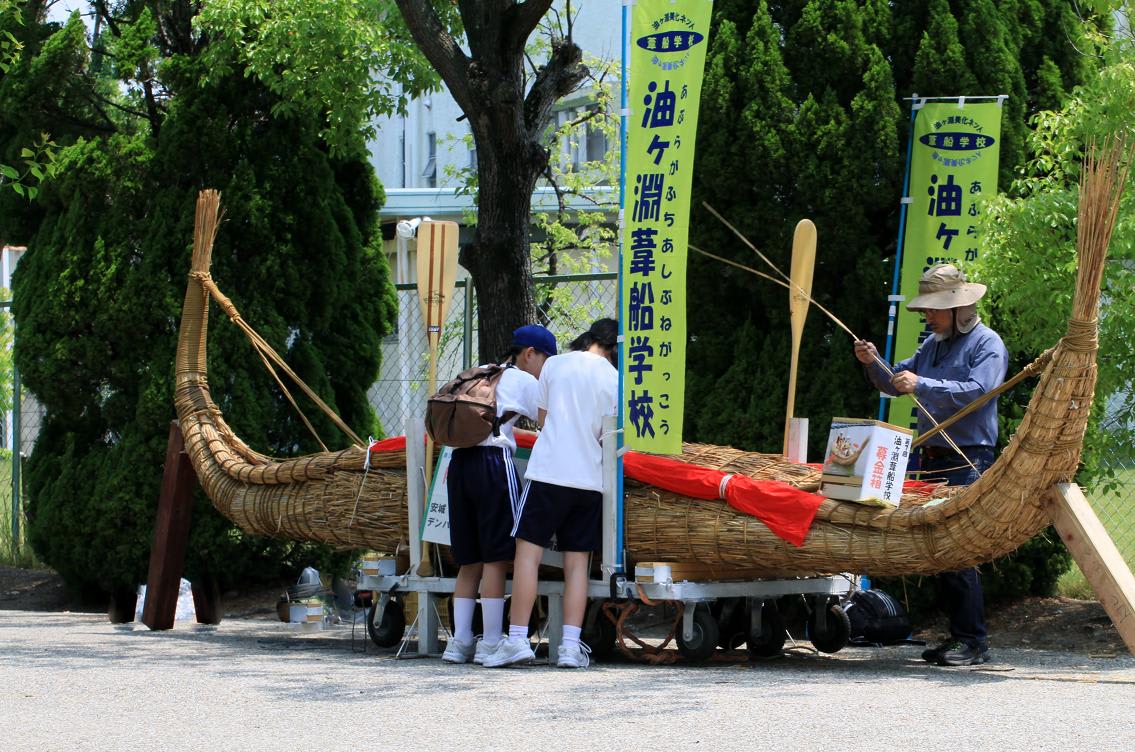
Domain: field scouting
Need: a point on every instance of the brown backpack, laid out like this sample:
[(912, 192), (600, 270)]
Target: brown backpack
[(463, 413)]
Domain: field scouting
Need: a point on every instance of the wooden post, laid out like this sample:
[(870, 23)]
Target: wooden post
[(171, 534), (207, 599), (1097, 556)]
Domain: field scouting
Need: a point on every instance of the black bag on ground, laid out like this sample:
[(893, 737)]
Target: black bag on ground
[(463, 413), (876, 618)]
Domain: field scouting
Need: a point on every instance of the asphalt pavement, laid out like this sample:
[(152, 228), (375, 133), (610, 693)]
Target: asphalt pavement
[(76, 682)]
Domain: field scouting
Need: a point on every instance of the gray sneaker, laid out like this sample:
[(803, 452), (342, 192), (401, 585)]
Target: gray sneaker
[(459, 652), (484, 650), (511, 651), (576, 656)]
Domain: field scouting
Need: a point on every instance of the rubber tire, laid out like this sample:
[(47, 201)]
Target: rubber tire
[(838, 632), (599, 635), (735, 628), (704, 642), (389, 631), (770, 642)]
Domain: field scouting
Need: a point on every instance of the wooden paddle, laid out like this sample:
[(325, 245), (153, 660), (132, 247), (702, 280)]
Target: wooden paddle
[(803, 263), (437, 275)]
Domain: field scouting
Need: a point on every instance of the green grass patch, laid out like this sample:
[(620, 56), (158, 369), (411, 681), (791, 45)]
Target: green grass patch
[(1116, 509), (12, 553)]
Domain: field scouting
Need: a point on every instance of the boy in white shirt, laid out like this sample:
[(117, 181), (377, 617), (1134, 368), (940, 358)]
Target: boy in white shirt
[(563, 492), (483, 488)]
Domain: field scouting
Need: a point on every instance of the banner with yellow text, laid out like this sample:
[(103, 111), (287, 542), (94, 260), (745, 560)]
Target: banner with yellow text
[(666, 55), (953, 164)]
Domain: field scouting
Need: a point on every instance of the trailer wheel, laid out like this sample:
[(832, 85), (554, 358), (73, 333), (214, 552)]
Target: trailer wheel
[(732, 621), (387, 632), (770, 641), (837, 630), (704, 640), (599, 633)]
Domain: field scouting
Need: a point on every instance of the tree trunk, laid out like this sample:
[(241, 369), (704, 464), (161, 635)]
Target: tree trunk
[(498, 258), (508, 115)]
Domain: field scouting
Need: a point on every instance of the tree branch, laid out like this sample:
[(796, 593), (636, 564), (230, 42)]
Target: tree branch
[(440, 48), (523, 18), (560, 76)]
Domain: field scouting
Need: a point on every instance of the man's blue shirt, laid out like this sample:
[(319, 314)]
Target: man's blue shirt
[(951, 374)]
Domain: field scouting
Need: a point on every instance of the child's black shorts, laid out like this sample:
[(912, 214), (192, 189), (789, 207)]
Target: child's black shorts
[(484, 495), (573, 515)]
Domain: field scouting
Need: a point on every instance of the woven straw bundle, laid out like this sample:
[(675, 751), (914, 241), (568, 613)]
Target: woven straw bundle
[(329, 497)]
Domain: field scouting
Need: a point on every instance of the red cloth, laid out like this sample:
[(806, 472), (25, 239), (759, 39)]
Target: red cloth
[(786, 510), (393, 444)]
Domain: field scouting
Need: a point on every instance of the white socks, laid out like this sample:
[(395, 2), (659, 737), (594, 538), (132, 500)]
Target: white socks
[(571, 636), (518, 630), (492, 616), (463, 619)]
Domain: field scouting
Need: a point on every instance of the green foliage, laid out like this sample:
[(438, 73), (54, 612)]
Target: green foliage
[(342, 61), (1032, 570), (816, 145), (36, 161), (1030, 248), (98, 297)]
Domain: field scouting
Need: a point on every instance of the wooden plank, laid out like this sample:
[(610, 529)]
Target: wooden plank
[(803, 264), (171, 534), (1097, 556)]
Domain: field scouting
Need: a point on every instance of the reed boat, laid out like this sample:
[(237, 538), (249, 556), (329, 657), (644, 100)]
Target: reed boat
[(339, 498)]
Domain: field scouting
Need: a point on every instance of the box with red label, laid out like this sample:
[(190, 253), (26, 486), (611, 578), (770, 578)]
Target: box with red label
[(865, 461)]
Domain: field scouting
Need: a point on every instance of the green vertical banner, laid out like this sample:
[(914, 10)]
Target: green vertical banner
[(666, 55), (956, 146)]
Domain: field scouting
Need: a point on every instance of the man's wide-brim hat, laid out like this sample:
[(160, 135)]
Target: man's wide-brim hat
[(944, 286)]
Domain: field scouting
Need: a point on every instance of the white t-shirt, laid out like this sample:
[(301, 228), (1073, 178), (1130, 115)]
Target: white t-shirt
[(516, 392), (577, 389)]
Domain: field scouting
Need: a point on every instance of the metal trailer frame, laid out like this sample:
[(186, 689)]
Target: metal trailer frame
[(616, 583)]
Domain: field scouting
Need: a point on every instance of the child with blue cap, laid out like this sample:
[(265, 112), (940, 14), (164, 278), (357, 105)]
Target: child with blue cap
[(483, 488)]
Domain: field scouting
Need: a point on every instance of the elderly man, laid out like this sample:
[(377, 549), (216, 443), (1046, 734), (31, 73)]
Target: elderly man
[(960, 360)]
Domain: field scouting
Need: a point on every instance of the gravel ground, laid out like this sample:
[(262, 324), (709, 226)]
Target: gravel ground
[(75, 682)]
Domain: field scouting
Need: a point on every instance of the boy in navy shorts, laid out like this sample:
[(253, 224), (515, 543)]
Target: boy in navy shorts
[(484, 496), (563, 496)]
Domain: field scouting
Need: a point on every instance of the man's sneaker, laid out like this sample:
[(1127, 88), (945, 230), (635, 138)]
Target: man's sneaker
[(576, 656), (961, 654), (510, 651), (933, 655), (484, 650), (458, 651)]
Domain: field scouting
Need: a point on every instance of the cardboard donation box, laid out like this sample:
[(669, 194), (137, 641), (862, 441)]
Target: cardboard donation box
[(865, 461)]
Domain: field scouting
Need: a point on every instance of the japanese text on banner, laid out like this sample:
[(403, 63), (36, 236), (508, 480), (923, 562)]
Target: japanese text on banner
[(953, 165), (667, 48)]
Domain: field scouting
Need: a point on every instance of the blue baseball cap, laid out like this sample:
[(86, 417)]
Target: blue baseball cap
[(534, 335)]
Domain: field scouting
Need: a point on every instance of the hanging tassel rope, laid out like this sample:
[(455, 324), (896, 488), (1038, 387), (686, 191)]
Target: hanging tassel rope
[(268, 353)]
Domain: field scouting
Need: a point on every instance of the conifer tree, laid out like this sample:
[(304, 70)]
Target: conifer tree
[(98, 296)]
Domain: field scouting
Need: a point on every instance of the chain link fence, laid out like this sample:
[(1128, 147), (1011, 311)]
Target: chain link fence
[(568, 304), (1113, 498), (19, 428)]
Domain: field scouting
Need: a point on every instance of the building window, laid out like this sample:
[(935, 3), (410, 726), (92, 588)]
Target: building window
[(596, 141), (430, 172)]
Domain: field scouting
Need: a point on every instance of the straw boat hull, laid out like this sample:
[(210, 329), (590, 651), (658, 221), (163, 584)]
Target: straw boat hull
[(329, 498)]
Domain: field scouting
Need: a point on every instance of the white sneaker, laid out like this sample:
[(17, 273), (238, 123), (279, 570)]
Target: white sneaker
[(484, 650), (459, 652), (510, 651), (575, 656)]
